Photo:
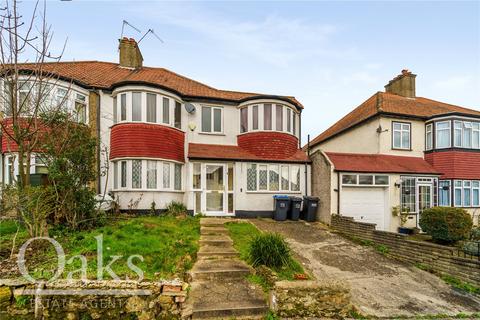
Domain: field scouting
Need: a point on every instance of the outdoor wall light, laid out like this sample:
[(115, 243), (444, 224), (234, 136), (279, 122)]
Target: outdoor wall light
[(445, 188), (398, 183)]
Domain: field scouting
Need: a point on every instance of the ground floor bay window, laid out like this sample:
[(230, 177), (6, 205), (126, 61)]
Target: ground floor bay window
[(147, 175)]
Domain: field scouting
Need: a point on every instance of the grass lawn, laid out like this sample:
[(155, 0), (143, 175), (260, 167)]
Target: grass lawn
[(167, 244), (242, 233)]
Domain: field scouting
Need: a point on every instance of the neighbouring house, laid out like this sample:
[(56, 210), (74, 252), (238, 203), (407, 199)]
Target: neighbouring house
[(397, 152), (164, 137)]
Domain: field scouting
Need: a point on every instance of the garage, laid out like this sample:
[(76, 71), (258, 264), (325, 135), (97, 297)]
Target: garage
[(365, 204)]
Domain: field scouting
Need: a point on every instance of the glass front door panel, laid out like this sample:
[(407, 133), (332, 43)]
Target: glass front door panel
[(215, 188), (424, 197)]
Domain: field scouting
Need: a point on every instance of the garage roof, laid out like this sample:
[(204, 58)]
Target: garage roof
[(380, 163)]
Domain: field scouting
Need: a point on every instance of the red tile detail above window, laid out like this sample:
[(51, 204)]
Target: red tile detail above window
[(7, 144), (272, 145), (147, 140), (456, 164)]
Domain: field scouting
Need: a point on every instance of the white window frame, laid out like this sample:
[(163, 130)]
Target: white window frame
[(440, 188), (437, 130), (429, 136), (401, 131), (268, 167), (212, 120), (81, 99), (471, 185), (474, 127), (357, 180)]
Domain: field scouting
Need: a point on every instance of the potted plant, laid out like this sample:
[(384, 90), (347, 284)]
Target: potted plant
[(403, 215)]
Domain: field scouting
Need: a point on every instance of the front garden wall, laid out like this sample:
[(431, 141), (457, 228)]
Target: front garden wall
[(436, 258), (164, 301), (307, 299)]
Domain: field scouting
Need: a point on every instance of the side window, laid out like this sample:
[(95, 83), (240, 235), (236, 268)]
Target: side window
[(123, 107), (115, 120), (244, 120), (151, 107), (178, 115), (428, 137), (166, 110), (255, 118), (401, 135)]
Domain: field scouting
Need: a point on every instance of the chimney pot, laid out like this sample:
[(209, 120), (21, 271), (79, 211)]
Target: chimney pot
[(403, 84), (129, 53)]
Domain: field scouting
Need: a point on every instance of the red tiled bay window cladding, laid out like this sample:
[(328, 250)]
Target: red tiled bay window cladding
[(8, 145), (276, 145), (147, 140), (456, 164)]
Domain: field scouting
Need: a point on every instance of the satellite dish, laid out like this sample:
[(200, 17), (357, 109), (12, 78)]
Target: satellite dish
[(189, 107)]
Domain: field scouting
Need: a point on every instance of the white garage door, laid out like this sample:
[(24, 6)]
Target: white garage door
[(364, 205)]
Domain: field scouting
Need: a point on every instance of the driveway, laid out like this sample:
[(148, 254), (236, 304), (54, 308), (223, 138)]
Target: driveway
[(379, 286)]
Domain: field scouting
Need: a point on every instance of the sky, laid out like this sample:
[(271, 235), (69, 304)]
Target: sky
[(330, 55)]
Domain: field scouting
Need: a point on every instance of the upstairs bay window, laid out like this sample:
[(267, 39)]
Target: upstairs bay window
[(212, 120), (401, 135), (268, 117), (273, 177), (148, 107)]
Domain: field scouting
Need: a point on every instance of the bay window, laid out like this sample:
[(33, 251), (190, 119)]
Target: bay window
[(151, 174), (251, 177), (266, 117), (123, 174), (475, 193), (401, 135), (273, 181), (115, 119), (458, 193), (263, 177), (166, 175), (115, 175), (466, 193), (177, 179), (284, 177), (289, 120)]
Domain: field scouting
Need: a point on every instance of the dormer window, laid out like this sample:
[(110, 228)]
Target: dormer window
[(401, 135)]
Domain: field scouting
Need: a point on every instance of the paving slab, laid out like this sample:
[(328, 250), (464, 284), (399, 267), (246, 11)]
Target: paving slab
[(380, 286)]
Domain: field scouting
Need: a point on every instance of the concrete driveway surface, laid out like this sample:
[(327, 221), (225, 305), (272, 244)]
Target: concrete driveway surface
[(379, 286)]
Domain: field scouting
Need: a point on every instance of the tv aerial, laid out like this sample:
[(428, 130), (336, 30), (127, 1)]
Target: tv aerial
[(126, 23), (153, 33)]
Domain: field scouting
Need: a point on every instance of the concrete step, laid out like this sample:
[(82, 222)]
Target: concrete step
[(227, 299), (219, 269), (215, 240), (231, 312), (214, 222), (213, 231), (217, 251)]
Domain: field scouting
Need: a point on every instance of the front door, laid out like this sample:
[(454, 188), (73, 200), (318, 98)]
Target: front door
[(424, 197), (215, 188)]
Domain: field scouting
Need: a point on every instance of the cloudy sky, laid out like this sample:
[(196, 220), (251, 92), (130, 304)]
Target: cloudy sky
[(330, 55)]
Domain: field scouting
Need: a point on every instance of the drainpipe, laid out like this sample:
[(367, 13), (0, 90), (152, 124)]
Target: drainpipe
[(338, 193), (97, 107), (306, 165)]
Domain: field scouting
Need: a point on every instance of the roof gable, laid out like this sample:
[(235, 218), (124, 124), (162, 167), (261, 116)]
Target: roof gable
[(392, 104)]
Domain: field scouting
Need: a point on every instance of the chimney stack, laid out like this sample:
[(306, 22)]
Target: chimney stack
[(130, 55), (403, 84)]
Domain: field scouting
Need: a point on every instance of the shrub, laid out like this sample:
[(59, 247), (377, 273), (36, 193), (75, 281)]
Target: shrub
[(175, 209), (475, 234), (446, 224), (269, 249), (472, 247)]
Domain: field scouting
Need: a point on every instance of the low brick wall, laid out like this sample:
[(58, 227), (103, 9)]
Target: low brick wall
[(437, 258), (310, 299), (83, 300)]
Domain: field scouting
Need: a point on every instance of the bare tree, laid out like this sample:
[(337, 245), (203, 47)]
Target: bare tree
[(28, 71)]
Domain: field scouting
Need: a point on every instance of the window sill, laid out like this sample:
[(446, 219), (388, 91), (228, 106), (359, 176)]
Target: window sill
[(213, 133), (402, 149), (147, 190), (273, 192)]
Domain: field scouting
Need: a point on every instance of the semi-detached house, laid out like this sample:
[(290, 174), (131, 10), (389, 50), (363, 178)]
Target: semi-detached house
[(164, 137), (398, 152)]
